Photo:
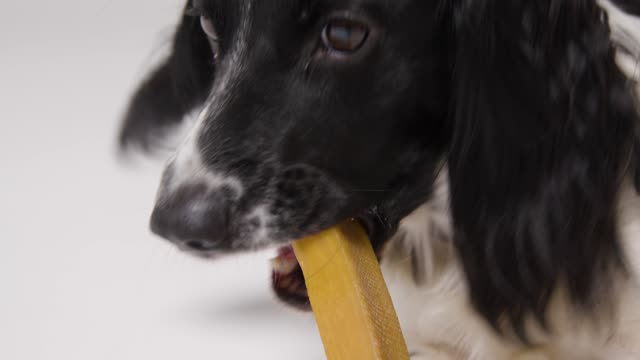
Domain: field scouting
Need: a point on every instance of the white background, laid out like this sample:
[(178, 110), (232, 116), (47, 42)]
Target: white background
[(80, 276)]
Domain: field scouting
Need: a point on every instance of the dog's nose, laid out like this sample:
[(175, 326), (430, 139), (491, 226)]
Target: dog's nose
[(192, 216)]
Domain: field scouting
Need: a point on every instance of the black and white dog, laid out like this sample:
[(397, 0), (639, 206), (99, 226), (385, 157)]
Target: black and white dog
[(491, 148)]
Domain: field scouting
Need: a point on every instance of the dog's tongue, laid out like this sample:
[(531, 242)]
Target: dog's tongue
[(285, 262)]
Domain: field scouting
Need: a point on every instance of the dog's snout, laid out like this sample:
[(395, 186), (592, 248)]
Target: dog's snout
[(192, 216)]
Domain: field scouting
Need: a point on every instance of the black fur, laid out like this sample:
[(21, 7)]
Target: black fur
[(521, 99), (543, 131)]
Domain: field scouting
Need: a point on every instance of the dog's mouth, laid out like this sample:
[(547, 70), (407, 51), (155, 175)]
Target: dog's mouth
[(287, 279)]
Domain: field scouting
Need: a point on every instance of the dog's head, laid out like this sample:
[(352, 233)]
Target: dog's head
[(315, 111)]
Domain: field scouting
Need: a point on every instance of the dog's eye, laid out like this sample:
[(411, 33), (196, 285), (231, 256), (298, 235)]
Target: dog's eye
[(345, 36), (210, 30)]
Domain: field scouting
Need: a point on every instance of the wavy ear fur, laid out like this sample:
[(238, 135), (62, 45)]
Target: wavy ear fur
[(542, 134), (177, 86)]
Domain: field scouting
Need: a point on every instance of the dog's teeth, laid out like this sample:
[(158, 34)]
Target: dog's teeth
[(283, 266)]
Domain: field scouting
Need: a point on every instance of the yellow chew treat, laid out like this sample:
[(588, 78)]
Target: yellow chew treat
[(349, 297)]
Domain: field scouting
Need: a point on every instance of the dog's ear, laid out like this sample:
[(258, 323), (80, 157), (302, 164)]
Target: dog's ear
[(177, 86), (542, 129)]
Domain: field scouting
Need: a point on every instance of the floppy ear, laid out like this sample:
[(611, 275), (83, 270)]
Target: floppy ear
[(542, 131), (176, 87)]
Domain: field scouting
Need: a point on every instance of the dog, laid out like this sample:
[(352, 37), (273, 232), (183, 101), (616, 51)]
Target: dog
[(490, 148)]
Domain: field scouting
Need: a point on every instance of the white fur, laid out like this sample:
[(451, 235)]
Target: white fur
[(187, 168), (625, 30), (261, 237)]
